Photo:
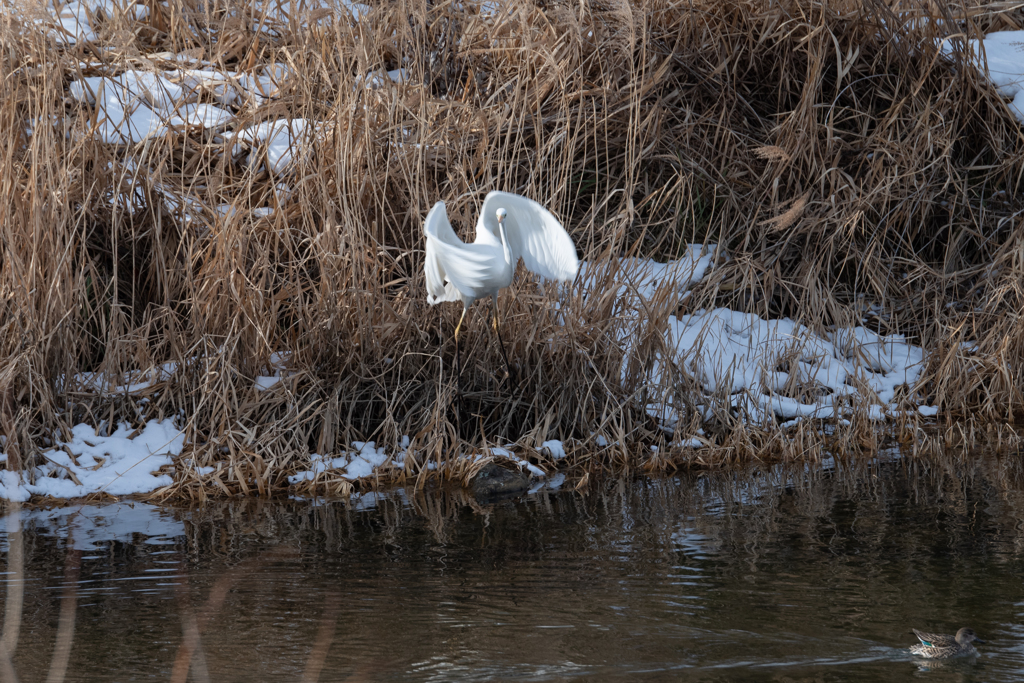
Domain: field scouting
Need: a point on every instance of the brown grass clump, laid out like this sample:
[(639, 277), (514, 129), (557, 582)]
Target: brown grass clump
[(892, 172)]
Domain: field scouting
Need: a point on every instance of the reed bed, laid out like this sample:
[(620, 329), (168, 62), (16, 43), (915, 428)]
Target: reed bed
[(853, 173)]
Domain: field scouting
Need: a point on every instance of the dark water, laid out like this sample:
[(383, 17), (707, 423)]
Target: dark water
[(774, 575)]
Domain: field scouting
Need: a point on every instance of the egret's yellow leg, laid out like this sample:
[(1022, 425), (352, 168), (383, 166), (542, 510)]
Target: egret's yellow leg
[(458, 355), (461, 318)]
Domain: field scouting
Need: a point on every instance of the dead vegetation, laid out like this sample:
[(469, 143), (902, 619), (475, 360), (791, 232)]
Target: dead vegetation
[(851, 171)]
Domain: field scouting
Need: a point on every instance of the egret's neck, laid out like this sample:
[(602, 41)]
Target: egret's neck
[(504, 243)]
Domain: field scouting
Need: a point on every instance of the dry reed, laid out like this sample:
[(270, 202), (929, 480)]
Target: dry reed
[(644, 124)]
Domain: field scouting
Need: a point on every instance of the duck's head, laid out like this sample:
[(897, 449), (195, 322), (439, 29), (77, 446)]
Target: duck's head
[(966, 635)]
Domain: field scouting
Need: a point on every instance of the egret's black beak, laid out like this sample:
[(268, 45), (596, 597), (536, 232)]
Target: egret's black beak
[(979, 640)]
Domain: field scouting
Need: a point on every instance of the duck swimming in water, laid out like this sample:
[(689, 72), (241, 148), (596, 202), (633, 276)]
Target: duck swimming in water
[(939, 646)]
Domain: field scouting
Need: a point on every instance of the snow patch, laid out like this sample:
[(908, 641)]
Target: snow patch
[(768, 370), (137, 105), (281, 141), (133, 382), (554, 449), (365, 459), (124, 463), (279, 365), (71, 22), (999, 57)]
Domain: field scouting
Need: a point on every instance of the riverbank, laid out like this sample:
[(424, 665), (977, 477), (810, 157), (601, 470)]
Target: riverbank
[(800, 229)]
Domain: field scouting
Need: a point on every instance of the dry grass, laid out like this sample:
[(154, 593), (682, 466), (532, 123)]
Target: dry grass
[(827, 145)]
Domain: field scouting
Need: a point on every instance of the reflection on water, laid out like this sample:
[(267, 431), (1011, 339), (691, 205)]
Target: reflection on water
[(784, 575)]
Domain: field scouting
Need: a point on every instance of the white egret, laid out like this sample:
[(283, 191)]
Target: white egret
[(510, 227)]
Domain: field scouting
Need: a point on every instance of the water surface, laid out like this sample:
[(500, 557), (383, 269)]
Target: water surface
[(786, 574)]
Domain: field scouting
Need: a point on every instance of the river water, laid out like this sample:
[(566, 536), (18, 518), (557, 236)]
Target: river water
[(773, 574)]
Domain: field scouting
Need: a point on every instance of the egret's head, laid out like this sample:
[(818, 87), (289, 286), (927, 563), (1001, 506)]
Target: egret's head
[(501, 213)]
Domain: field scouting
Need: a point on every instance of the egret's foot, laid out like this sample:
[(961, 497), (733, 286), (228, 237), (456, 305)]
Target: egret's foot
[(511, 376), (508, 368)]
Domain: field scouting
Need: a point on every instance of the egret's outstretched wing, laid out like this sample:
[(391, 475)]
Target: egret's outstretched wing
[(438, 230), (454, 270), (533, 233)]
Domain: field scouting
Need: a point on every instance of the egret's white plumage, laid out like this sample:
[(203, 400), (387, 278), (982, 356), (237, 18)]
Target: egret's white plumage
[(510, 227)]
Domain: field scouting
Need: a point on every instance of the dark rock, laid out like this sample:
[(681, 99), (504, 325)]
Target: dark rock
[(495, 481)]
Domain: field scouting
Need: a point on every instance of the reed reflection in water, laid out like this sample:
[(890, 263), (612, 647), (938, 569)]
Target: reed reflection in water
[(785, 574)]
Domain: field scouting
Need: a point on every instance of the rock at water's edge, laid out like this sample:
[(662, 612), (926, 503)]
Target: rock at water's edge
[(493, 480)]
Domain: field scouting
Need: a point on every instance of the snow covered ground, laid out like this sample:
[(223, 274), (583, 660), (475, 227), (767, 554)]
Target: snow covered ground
[(123, 463), (366, 460), (72, 22), (760, 364), (1000, 58), (135, 105), (768, 370)]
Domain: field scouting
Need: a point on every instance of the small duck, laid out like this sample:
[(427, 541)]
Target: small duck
[(939, 646)]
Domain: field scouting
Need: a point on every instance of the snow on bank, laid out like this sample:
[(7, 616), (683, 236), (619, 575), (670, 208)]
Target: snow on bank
[(375, 80), (74, 22), (136, 105), (124, 463), (71, 22), (999, 57), (637, 281), (279, 362), (523, 463), (782, 370), (135, 382), (282, 141), (367, 460), (766, 370), (141, 381), (358, 464)]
